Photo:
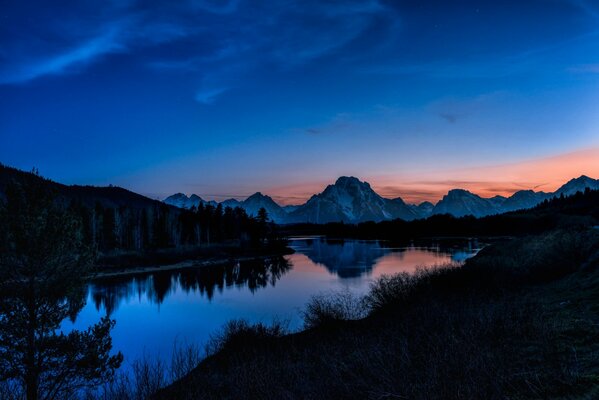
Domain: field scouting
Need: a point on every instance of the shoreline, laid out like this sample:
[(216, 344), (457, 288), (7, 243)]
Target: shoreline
[(185, 264)]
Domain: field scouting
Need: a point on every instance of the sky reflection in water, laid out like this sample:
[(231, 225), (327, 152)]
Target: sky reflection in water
[(155, 310)]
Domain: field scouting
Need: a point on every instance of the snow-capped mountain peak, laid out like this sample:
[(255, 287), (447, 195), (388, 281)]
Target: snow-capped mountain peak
[(460, 202), (350, 200), (257, 201), (578, 185), (182, 201)]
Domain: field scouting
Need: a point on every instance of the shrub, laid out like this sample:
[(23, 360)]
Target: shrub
[(328, 308), (403, 288), (239, 334)]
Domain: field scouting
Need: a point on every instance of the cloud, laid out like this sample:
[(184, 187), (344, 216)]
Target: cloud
[(585, 6), (454, 109), (449, 117), (63, 62), (207, 96), (336, 124), (218, 42), (544, 173)]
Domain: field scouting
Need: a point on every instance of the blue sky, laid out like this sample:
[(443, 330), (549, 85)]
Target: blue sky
[(225, 98)]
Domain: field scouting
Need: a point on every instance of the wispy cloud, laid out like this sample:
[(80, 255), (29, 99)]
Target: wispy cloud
[(336, 124), (207, 96), (586, 6), (61, 63), (545, 173)]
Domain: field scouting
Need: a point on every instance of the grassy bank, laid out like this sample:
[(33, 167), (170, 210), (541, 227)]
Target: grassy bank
[(520, 320)]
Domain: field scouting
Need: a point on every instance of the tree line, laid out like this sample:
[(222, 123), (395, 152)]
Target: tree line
[(48, 246), (563, 212), (162, 226)]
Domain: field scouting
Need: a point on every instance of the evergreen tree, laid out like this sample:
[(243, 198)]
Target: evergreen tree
[(43, 261), (109, 229), (262, 219)]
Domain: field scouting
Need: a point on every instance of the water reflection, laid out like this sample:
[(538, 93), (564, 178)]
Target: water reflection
[(347, 259), (205, 281), (354, 258), (154, 310)]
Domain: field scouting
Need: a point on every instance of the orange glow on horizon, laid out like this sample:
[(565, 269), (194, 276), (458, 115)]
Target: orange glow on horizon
[(543, 174)]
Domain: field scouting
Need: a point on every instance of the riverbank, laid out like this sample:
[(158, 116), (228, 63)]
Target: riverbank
[(133, 263), (519, 320)]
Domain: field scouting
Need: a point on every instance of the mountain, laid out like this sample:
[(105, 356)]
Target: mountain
[(523, 199), (350, 200), (251, 205), (577, 185), (231, 203), (497, 201), (256, 201), (423, 210), (290, 208), (182, 201), (460, 202)]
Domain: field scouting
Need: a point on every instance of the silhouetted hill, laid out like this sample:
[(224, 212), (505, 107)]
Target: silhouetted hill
[(106, 196)]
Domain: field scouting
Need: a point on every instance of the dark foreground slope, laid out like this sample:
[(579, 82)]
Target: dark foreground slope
[(520, 320)]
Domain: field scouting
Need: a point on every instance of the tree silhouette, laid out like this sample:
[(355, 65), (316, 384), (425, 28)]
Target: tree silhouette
[(43, 263), (262, 215)]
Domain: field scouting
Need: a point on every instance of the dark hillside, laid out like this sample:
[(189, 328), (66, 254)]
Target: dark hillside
[(518, 321), (106, 196), (129, 228)]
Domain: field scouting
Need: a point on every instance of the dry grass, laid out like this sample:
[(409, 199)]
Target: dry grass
[(519, 321)]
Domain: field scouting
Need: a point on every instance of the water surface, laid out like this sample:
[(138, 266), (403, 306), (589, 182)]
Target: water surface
[(154, 310)]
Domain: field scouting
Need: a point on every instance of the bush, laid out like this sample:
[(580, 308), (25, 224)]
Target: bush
[(239, 334), (403, 288), (147, 375), (325, 309)]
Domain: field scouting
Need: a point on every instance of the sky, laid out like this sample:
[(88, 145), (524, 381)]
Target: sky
[(226, 98)]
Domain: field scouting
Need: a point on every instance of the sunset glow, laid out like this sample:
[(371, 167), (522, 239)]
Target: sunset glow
[(415, 99)]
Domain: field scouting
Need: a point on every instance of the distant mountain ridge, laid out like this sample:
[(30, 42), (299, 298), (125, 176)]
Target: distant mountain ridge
[(182, 201), (459, 202), (251, 205), (350, 200), (347, 200)]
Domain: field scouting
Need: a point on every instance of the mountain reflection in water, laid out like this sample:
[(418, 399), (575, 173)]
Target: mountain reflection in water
[(154, 310), (354, 258)]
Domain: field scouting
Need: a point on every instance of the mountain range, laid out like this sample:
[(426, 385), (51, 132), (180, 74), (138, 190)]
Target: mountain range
[(347, 200), (350, 200)]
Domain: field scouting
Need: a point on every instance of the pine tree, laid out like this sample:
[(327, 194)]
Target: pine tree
[(43, 262)]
